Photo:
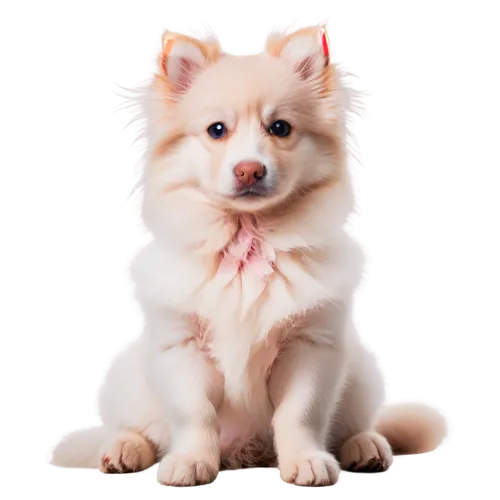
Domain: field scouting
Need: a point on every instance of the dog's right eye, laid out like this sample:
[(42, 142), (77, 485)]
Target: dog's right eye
[(217, 130)]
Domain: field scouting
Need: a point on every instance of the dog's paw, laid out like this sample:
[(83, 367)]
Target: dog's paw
[(127, 452), (366, 452), (315, 469), (181, 470)]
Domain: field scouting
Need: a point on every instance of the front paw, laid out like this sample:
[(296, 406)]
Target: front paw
[(318, 468), (182, 470)]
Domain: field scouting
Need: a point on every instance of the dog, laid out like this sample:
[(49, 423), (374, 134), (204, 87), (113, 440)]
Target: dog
[(249, 355)]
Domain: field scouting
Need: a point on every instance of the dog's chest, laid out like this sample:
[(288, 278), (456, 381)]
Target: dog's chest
[(254, 290), (242, 273)]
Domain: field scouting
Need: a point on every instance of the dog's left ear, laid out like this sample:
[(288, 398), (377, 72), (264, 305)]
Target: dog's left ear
[(307, 49)]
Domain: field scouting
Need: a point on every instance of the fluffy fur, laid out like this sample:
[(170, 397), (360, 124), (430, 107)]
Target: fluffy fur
[(249, 355)]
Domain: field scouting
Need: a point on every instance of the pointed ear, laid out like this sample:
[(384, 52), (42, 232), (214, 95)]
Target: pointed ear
[(183, 57), (307, 50)]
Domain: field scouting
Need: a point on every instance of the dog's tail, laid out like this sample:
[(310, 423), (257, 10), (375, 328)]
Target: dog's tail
[(80, 449), (411, 428)]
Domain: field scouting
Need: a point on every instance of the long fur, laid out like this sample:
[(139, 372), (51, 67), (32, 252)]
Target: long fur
[(249, 354)]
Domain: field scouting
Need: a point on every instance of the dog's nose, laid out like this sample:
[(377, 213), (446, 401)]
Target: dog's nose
[(249, 172)]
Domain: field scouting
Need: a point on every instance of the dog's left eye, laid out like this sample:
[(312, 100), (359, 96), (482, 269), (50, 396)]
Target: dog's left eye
[(217, 130), (280, 128)]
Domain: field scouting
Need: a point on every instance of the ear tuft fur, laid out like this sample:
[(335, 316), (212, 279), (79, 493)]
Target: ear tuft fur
[(307, 49), (183, 57)]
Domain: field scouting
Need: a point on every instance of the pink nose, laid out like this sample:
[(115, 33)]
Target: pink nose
[(249, 172)]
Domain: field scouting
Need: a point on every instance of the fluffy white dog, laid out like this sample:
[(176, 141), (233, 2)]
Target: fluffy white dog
[(249, 355)]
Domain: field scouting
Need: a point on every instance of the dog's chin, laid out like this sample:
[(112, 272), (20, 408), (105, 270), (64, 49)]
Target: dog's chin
[(250, 202)]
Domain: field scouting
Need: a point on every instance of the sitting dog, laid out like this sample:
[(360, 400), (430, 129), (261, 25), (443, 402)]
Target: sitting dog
[(249, 355)]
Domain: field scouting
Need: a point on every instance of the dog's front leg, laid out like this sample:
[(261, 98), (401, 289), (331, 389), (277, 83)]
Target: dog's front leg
[(188, 389), (304, 387)]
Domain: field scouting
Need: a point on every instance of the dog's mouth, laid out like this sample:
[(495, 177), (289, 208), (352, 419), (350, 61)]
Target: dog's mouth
[(253, 192), (249, 193)]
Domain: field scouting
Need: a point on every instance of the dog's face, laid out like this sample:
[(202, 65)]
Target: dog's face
[(249, 131)]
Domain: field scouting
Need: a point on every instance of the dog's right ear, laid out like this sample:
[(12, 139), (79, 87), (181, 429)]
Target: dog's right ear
[(183, 57)]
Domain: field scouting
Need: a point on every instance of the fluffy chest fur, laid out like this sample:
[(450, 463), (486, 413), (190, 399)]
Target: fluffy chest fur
[(244, 281)]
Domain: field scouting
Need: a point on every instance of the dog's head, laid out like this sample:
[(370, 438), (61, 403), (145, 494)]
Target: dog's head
[(252, 131)]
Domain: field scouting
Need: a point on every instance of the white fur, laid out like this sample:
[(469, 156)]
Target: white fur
[(166, 397), (244, 146)]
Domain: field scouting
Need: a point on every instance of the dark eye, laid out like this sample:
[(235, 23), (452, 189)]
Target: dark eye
[(217, 130), (280, 128)]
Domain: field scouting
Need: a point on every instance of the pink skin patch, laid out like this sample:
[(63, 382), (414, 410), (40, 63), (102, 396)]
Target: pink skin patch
[(230, 435), (248, 251)]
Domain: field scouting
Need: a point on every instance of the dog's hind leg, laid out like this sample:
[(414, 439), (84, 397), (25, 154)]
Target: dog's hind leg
[(126, 452)]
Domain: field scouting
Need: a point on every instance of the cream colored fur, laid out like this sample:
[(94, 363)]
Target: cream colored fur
[(249, 355)]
